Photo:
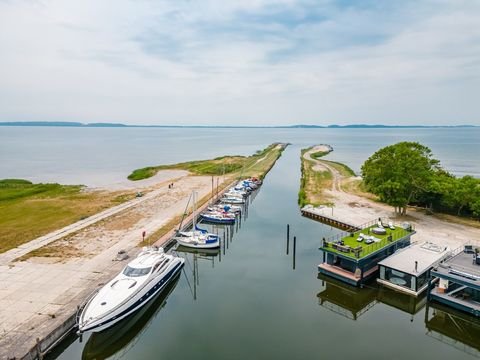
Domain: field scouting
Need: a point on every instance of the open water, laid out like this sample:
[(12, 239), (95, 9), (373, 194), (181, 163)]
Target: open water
[(99, 156), (247, 301)]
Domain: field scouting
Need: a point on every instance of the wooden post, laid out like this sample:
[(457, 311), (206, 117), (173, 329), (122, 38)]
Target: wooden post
[(288, 237), (294, 250)]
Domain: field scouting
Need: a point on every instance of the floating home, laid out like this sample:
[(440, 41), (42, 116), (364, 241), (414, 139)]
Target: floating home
[(353, 256), (408, 270), (459, 284)]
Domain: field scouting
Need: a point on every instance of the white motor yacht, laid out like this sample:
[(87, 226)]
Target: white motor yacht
[(138, 283)]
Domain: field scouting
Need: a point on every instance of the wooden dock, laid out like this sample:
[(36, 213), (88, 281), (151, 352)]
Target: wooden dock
[(329, 220)]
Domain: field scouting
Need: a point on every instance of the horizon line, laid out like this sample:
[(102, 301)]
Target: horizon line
[(106, 124)]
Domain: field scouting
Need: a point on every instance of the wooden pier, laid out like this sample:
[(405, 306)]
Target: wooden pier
[(329, 220)]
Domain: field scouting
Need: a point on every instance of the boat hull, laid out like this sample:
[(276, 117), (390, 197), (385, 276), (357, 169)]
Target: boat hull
[(199, 245), (135, 303), (218, 221)]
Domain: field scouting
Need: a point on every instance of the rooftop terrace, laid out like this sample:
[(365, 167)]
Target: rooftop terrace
[(371, 237)]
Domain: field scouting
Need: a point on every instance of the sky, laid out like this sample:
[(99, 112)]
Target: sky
[(241, 62)]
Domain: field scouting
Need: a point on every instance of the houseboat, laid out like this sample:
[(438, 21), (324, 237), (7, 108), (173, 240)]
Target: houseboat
[(459, 284), (353, 256), (408, 270)]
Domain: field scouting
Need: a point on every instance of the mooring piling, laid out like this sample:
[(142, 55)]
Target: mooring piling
[(294, 250)]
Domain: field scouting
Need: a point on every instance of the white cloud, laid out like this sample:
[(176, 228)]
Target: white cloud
[(249, 62)]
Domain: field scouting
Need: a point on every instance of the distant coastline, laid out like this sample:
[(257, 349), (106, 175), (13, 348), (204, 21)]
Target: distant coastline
[(300, 126)]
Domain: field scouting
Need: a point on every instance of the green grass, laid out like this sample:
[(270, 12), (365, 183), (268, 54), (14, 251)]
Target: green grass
[(319, 154), (32, 210), (351, 241), (218, 166), (341, 168), (312, 183)]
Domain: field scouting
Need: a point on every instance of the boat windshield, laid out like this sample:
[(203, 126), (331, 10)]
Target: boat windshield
[(134, 272)]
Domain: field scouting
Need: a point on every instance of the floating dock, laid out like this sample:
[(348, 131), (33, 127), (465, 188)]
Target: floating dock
[(353, 256), (318, 214)]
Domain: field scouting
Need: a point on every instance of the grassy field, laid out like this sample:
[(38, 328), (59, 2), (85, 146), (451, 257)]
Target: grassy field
[(244, 165), (31, 210)]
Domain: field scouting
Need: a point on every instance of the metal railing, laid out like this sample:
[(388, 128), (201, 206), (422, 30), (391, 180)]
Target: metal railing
[(367, 248)]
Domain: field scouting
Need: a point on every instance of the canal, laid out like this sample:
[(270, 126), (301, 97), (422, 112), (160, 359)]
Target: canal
[(248, 302)]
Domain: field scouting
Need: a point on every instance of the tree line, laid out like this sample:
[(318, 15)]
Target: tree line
[(406, 173)]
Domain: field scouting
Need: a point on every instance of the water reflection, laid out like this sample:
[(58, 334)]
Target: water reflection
[(192, 257), (454, 328), (121, 337), (352, 302), (406, 303), (346, 300)]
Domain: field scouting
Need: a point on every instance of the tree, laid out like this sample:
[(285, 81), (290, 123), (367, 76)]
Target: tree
[(462, 193), (400, 173)]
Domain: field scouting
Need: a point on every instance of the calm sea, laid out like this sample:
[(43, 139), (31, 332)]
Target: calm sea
[(99, 156)]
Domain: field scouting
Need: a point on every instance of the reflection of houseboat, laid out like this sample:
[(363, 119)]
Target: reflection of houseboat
[(408, 270), (353, 256), (121, 337), (459, 284), (346, 300), (453, 327), (403, 302)]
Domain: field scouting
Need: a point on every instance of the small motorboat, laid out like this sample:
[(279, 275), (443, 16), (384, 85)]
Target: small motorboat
[(138, 283)]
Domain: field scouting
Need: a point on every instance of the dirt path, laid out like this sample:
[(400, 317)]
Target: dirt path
[(323, 166)]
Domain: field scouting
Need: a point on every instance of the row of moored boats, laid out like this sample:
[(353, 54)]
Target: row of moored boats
[(153, 269), (225, 212)]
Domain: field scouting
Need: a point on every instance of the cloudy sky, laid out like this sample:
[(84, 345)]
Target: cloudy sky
[(257, 62)]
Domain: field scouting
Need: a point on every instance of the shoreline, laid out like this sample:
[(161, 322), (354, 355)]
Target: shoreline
[(357, 209), (39, 296)]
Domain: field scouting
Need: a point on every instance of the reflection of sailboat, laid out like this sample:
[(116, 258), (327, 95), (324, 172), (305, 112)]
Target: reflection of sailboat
[(346, 300), (123, 335), (452, 327), (201, 252)]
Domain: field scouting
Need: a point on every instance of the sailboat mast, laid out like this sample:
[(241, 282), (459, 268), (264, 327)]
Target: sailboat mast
[(194, 208)]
